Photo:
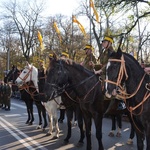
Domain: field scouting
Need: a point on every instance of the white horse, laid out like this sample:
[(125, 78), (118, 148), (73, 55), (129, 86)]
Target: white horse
[(30, 73)]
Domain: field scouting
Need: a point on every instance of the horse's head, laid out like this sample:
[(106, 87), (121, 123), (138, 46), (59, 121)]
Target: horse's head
[(30, 73), (113, 74), (12, 75), (57, 78)]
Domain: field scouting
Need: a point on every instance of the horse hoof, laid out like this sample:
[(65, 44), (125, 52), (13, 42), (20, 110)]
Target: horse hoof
[(75, 123), (111, 134), (43, 129), (54, 137), (79, 144), (30, 123), (27, 122), (118, 134), (130, 141), (48, 134)]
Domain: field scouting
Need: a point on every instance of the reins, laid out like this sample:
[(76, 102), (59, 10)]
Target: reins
[(123, 71), (125, 95), (84, 97)]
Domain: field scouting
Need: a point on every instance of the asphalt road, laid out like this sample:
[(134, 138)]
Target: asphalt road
[(16, 135)]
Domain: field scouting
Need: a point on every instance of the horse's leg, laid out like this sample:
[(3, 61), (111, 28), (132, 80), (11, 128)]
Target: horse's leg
[(119, 123), (28, 112), (55, 120), (75, 117), (50, 124), (69, 113), (31, 114), (79, 118), (113, 128), (132, 132), (98, 125), (44, 116), (140, 141), (29, 106), (39, 114), (88, 123)]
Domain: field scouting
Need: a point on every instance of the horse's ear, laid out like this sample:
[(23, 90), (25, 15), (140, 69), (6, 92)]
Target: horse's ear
[(54, 55), (119, 51), (27, 63)]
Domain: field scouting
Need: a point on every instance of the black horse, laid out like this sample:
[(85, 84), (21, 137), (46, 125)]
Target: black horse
[(28, 99), (69, 99), (124, 70), (68, 75), (71, 107)]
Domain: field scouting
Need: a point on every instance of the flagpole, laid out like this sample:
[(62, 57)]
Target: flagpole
[(72, 35), (90, 24)]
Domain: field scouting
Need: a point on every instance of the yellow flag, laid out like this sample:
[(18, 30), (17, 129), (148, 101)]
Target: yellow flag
[(58, 31), (95, 12), (56, 28), (40, 40), (79, 24)]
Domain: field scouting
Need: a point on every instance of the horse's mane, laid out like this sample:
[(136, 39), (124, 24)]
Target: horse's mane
[(115, 55), (77, 66), (71, 62), (132, 58)]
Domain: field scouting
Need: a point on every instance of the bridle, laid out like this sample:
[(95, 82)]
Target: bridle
[(123, 95), (122, 71), (60, 89), (27, 75), (25, 85)]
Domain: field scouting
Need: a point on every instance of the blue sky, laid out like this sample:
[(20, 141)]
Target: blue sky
[(65, 7)]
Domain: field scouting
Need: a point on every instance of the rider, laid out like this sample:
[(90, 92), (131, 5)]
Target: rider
[(104, 56), (106, 52), (90, 60)]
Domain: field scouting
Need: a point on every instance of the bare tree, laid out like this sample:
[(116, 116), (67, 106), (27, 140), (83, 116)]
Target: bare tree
[(25, 17)]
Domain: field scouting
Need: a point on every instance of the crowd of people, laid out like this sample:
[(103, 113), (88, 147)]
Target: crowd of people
[(5, 95)]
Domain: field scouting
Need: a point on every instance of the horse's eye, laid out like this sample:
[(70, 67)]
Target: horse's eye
[(24, 72)]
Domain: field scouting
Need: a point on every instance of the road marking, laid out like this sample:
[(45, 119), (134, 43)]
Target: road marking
[(8, 126), (24, 107), (12, 115), (16, 136)]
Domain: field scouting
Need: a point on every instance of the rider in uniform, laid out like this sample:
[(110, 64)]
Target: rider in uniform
[(104, 56), (90, 60), (8, 93)]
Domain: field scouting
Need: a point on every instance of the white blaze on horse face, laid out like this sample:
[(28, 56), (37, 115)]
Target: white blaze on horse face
[(106, 85), (30, 73), (35, 77)]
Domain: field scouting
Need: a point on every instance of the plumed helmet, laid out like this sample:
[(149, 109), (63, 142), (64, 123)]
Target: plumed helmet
[(108, 38), (41, 61), (65, 54), (51, 55), (88, 46)]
